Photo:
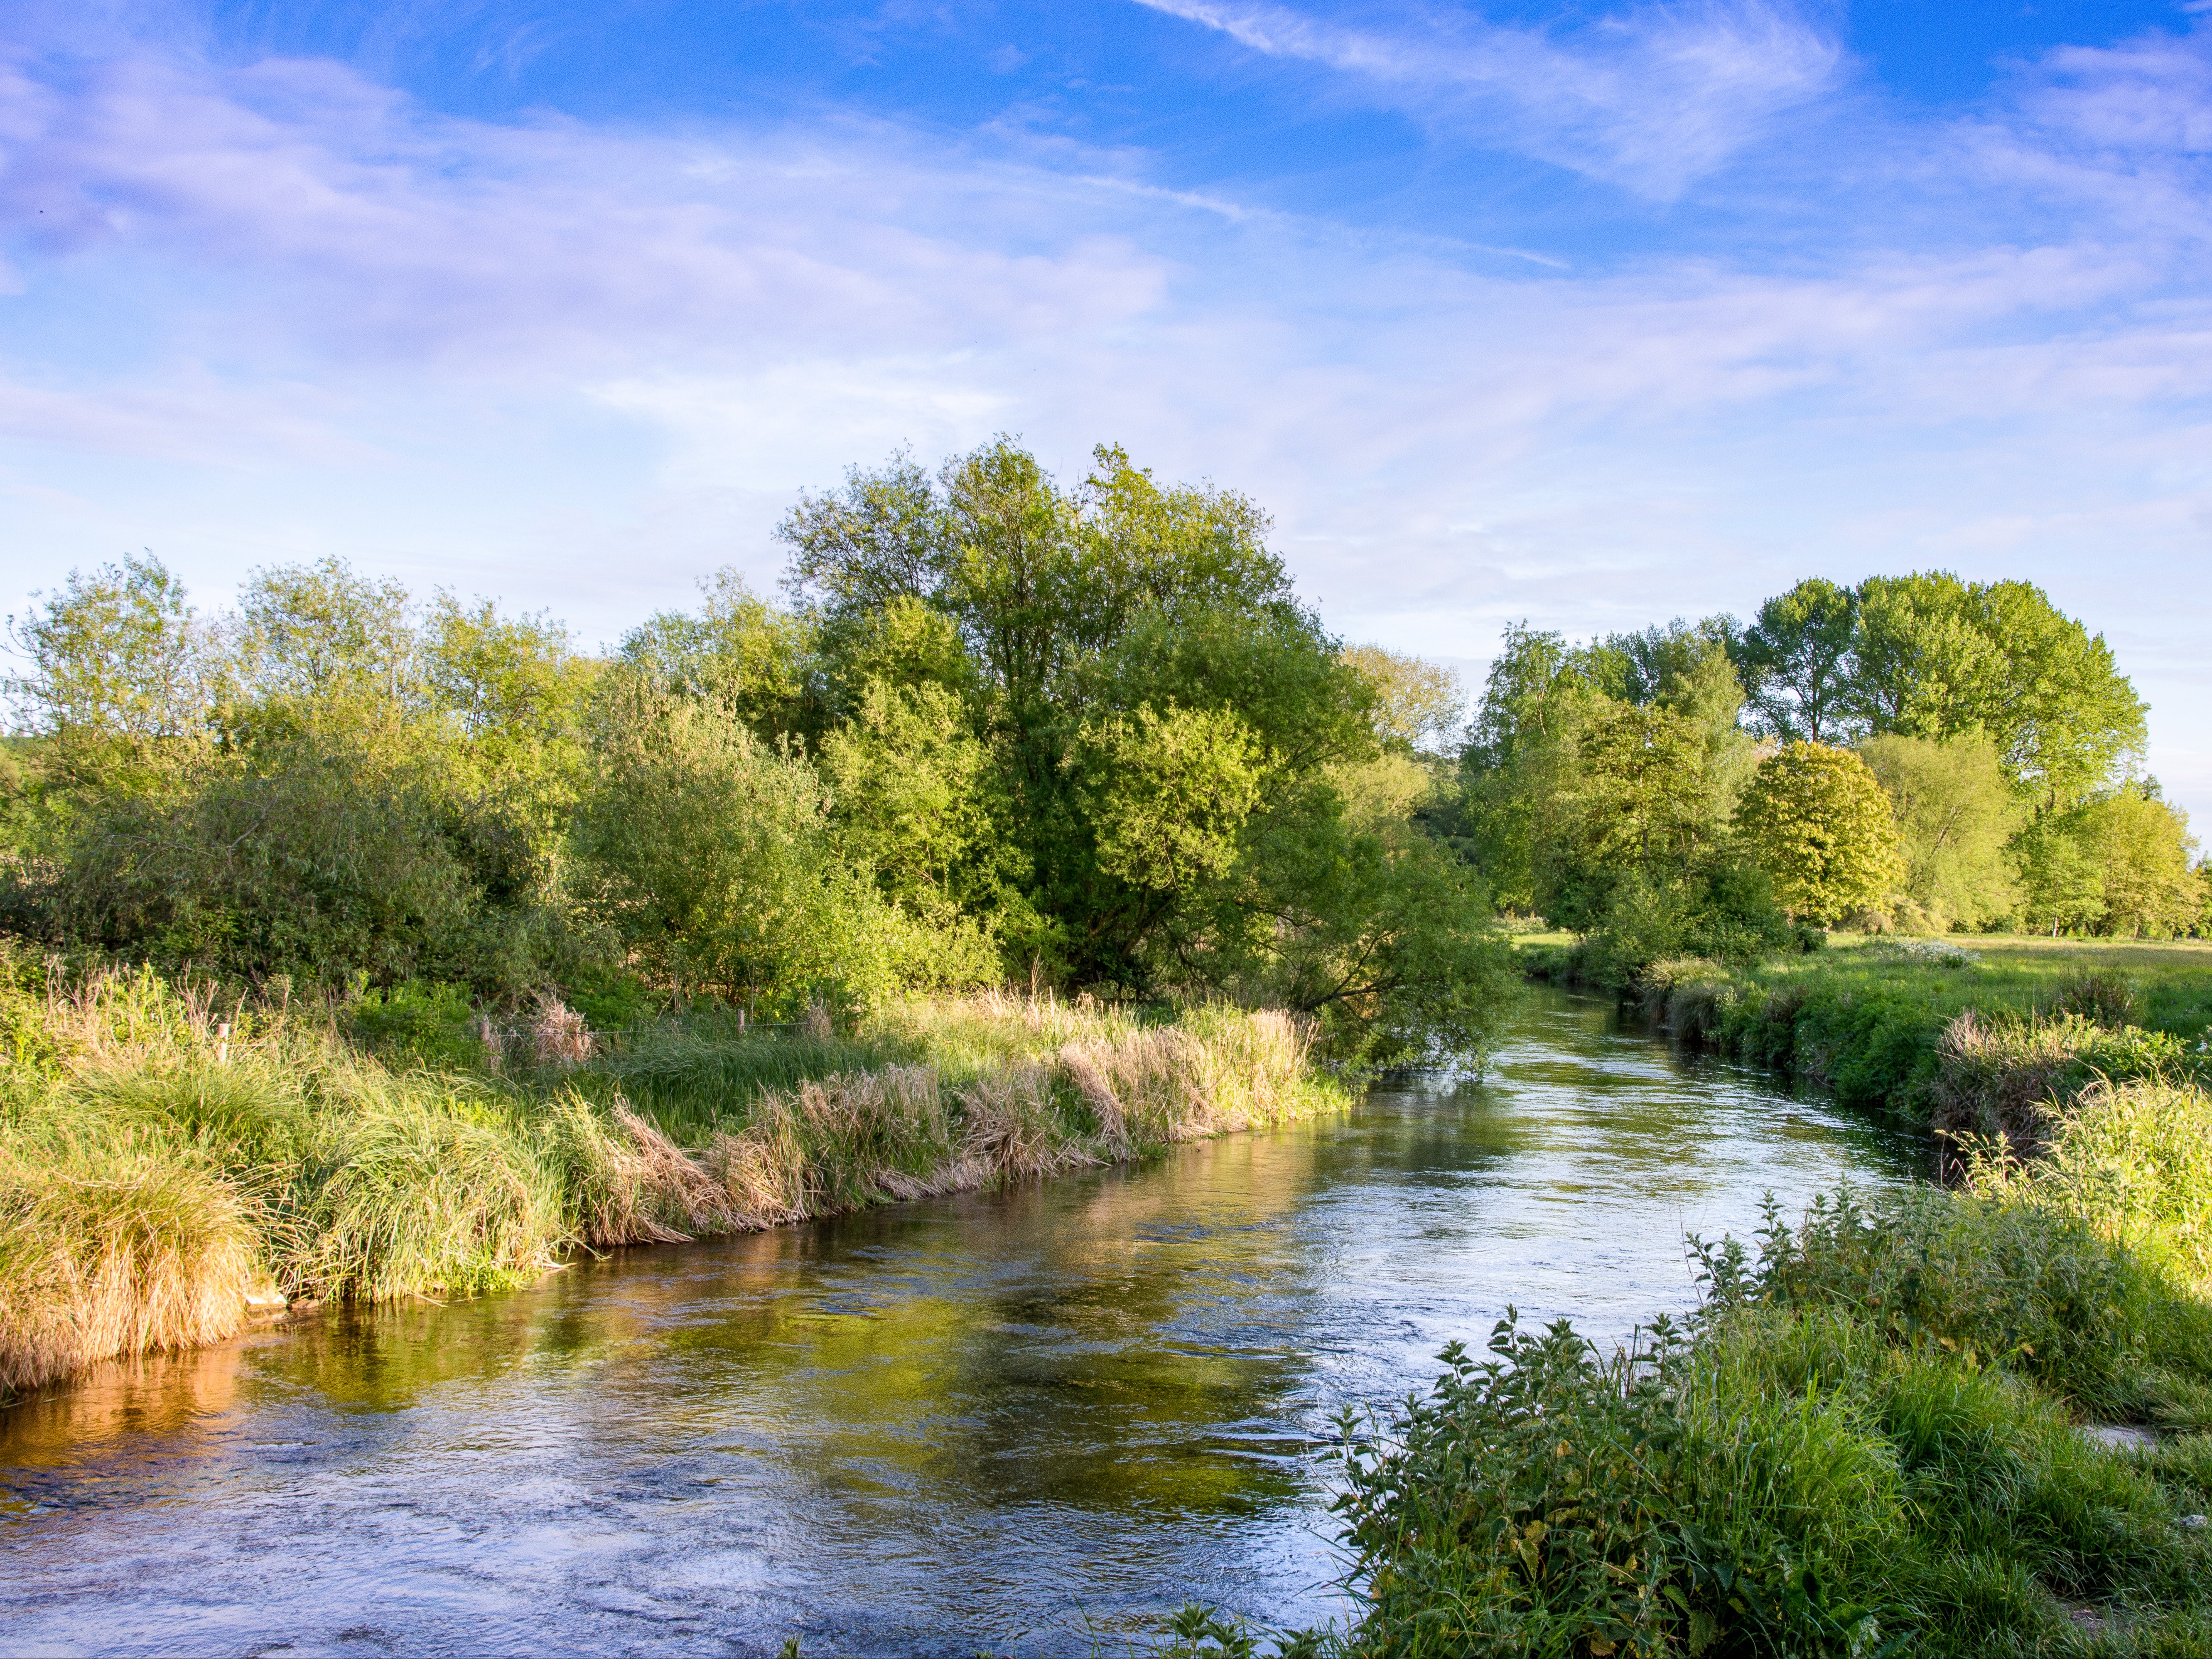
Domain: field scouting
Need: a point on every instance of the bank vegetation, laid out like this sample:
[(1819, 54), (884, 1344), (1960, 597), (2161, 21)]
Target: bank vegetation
[(170, 1168)]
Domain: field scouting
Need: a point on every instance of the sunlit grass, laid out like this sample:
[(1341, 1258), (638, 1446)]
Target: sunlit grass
[(153, 1170)]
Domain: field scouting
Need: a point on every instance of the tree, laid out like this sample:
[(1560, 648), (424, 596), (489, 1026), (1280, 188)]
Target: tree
[(516, 680), (713, 858), (120, 668), (1683, 667), (1419, 707), (739, 651), (1956, 813), (1171, 793), (2063, 717), (1937, 657), (1815, 818), (906, 778), (1038, 580), (2144, 847), (2062, 879), (1645, 790), (1796, 662), (319, 637), (1516, 771), (1921, 667)]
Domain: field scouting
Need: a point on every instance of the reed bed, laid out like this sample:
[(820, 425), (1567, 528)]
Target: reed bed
[(167, 1163)]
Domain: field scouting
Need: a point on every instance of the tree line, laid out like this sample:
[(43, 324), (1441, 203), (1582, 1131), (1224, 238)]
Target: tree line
[(1916, 752), (998, 726), (995, 727)]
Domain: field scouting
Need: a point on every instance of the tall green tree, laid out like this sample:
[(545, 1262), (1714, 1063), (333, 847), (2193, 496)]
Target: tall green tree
[(1956, 815), (1797, 663), (119, 671), (2151, 887), (1936, 658), (1172, 740)]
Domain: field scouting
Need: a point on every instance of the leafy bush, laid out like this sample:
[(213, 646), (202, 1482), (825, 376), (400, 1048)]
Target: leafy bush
[(1862, 1445)]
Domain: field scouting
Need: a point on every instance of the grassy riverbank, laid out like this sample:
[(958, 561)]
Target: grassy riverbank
[(1879, 1023), (1968, 1420), (159, 1180), (1873, 1439)]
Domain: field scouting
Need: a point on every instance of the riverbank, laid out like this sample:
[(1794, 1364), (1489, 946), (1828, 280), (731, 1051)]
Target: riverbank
[(168, 1171), (1947, 1422), (1972, 1038), (1968, 1420)]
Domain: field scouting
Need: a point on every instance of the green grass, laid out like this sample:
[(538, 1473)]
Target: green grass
[(1878, 1023)]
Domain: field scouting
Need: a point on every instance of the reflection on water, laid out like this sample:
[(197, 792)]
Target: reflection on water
[(1034, 1418)]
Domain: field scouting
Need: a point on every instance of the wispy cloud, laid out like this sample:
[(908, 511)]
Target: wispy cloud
[(1650, 99)]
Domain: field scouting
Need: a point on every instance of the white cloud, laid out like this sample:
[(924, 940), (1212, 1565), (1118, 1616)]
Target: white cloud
[(1650, 100)]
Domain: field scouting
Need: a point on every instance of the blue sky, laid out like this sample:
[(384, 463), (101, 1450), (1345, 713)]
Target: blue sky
[(1590, 314)]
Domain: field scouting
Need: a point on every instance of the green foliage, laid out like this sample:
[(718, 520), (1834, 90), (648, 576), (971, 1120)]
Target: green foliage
[(1119, 740), (1863, 1443), (119, 669), (2113, 864), (318, 638), (1956, 813), (320, 857), (1796, 662), (1935, 657), (1816, 819), (714, 858), (1418, 706), (1877, 1023), (906, 778), (739, 652), (1171, 793), (1549, 1501)]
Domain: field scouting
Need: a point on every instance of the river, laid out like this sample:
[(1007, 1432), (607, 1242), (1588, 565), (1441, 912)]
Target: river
[(1030, 1420)]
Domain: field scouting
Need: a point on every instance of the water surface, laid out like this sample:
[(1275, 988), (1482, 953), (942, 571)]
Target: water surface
[(1032, 1419)]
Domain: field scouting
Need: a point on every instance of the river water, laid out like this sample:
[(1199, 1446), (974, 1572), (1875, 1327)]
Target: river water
[(1031, 1420)]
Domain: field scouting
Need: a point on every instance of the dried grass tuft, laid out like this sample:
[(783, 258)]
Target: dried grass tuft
[(558, 1035), (135, 1251)]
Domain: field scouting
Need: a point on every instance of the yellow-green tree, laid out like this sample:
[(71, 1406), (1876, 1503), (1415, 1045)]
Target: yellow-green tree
[(1816, 819), (2144, 847), (1956, 811)]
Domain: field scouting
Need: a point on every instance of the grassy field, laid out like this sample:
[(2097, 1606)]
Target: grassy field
[(169, 1164)]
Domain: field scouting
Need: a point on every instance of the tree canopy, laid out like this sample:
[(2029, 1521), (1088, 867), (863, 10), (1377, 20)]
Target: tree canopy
[(996, 726)]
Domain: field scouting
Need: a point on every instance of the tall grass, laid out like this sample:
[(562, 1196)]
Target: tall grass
[(157, 1177), (137, 1249)]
